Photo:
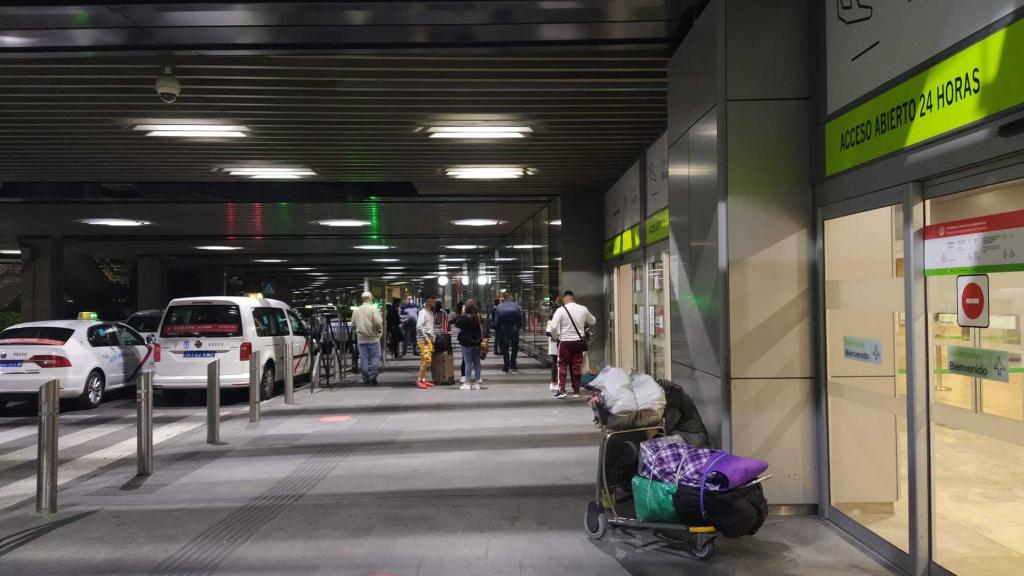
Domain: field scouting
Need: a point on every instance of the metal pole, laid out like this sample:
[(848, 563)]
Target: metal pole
[(314, 376), (289, 375), (254, 386), (213, 402), (46, 459), (309, 357), (144, 421)]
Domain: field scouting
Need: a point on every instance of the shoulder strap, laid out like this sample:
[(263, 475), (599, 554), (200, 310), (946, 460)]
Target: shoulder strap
[(569, 314)]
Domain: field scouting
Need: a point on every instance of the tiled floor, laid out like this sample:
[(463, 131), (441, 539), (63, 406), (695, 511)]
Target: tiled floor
[(385, 480)]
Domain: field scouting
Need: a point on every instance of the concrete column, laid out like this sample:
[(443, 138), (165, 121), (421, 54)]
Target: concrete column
[(583, 259), (42, 278), (151, 283), (213, 281)]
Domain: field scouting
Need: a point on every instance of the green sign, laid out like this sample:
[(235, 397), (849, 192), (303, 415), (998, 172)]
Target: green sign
[(658, 226), (622, 243), (971, 85), (862, 349), (978, 363)]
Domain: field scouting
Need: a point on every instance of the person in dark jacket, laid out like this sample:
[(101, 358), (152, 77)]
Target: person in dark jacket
[(394, 322), (508, 320), (472, 333), (409, 312)]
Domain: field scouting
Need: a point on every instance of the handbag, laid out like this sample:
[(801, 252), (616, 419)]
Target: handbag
[(584, 340), (485, 347)]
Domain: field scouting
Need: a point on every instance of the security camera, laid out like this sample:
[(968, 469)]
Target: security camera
[(168, 87)]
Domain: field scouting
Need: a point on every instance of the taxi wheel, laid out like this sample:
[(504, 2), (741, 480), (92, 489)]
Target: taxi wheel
[(92, 396), (267, 383)]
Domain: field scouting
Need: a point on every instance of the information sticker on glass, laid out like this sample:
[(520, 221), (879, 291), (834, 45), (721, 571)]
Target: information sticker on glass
[(862, 349), (978, 363)]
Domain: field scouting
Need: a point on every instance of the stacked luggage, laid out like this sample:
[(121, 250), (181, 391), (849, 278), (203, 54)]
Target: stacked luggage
[(685, 484), (626, 401)]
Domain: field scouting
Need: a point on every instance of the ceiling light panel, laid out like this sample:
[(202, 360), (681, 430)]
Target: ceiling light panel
[(117, 222), (479, 132), (477, 222), (343, 223), (192, 130), (487, 172), (219, 248)]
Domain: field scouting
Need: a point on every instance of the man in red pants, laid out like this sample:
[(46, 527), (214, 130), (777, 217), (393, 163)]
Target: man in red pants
[(570, 324)]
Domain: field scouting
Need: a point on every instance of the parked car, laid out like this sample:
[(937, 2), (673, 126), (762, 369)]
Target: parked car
[(89, 357), (147, 323), (197, 331)]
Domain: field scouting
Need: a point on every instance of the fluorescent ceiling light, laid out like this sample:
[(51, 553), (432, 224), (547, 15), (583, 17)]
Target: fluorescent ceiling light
[(300, 269), (386, 260), (506, 259), (525, 246), (540, 266), (219, 248), (10, 252), (343, 223), (442, 280), (114, 222), (479, 132), (453, 259), (394, 267), (269, 261), (477, 222), (462, 246), (389, 277), (317, 274), (486, 172), (555, 222), (372, 247), (192, 130)]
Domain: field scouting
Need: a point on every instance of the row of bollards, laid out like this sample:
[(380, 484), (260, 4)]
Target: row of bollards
[(49, 415)]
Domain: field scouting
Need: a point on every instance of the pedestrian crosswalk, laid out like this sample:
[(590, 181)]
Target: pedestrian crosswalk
[(84, 448)]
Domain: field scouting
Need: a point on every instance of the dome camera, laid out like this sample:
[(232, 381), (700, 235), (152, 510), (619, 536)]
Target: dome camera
[(168, 87)]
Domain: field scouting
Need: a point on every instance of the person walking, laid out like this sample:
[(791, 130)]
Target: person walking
[(425, 335), (570, 324), (472, 333), (369, 329), (394, 323), (508, 320), (553, 346), (409, 313)]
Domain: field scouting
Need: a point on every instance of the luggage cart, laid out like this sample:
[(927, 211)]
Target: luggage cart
[(608, 507)]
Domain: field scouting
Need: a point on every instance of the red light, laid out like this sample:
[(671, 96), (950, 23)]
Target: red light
[(245, 351), (156, 352), (50, 361)]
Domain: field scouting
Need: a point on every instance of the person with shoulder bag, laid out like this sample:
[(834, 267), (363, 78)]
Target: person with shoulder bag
[(471, 337), (571, 323)]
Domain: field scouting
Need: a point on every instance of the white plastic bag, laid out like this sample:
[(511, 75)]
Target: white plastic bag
[(618, 395), (649, 394)]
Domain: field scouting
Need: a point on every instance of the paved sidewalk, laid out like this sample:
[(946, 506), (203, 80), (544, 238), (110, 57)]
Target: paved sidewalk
[(385, 480)]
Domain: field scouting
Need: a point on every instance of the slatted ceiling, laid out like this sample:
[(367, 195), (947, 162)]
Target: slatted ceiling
[(348, 117)]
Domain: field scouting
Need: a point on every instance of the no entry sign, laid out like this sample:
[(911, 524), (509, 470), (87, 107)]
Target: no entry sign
[(972, 301)]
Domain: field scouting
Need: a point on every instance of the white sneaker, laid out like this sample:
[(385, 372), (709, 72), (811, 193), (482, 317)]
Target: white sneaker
[(552, 387), (464, 386), (476, 386), (462, 380)]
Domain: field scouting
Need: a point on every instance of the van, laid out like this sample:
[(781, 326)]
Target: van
[(196, 331)]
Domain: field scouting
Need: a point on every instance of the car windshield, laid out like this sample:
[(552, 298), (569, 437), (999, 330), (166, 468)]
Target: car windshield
[(211, 320), (144, 323), (35, 336)]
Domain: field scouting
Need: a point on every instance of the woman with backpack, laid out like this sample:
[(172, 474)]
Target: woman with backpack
[(472, 334)]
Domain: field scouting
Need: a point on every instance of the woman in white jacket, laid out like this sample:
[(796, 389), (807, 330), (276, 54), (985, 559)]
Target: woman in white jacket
[(553, 346)]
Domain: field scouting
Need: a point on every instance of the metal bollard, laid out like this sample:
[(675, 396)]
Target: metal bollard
[(144, 420), (255, 373), (46, 458), (314, 375), (289, 375), (213, 402)]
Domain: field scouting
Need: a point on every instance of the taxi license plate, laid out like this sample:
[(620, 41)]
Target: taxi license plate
[(200, 354), (10, 363)]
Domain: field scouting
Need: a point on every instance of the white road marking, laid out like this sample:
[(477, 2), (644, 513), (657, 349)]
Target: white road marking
[(67, 441), (17, 491), (15, 433)]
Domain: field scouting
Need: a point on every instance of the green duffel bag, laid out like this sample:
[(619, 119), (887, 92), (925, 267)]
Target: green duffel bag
[(653, 500)]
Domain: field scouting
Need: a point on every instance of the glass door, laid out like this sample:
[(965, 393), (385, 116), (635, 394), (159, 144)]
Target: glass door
[(865, 368), (639, 318), (658, 316), (976, 379)]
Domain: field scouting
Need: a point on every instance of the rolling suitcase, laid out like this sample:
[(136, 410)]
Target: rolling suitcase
[(442, 369)]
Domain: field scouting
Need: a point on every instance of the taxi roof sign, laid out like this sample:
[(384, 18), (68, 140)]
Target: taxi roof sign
[(88, 316)]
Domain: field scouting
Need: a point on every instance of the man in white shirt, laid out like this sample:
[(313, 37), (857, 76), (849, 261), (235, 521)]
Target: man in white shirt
[(569, 324), (425, 335), (369, 330)]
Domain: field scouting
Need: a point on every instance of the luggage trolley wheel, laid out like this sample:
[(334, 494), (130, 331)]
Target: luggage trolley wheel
[(702, 542), (595, 521)]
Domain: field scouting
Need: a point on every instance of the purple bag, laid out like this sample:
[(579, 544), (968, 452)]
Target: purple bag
[(735, 470)]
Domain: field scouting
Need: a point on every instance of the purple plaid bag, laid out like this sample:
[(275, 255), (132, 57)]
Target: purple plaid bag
[(673, 461)]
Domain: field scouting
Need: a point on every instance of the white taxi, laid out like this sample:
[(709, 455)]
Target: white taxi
[(87, 356)]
